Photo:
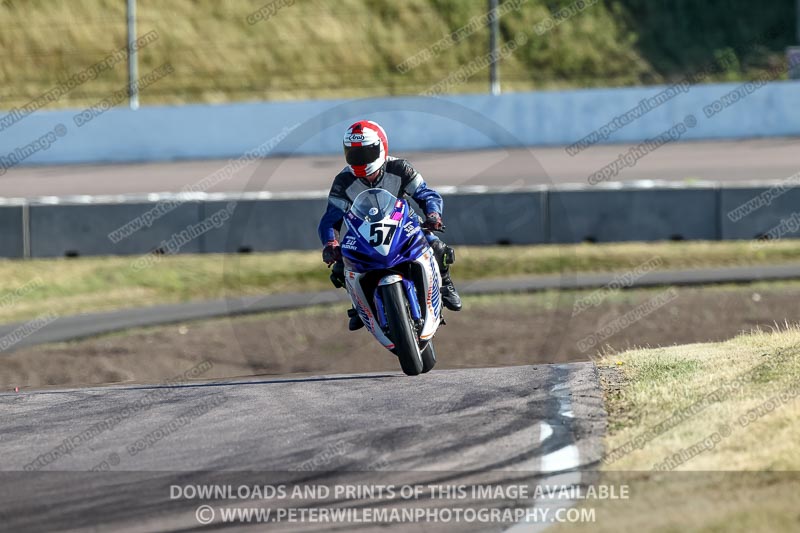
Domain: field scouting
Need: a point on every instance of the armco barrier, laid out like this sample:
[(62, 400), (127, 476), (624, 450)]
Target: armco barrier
[(265, 225), (495, 218), (255, 222), (11, 231), (633, 215), (753, 212), (83, 229), (291, 224)]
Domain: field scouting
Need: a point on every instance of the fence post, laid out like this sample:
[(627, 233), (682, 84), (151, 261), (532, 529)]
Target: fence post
[(494, 30), (133, 88)]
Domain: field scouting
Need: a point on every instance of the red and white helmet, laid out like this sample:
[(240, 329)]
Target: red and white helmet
[(365, 147)]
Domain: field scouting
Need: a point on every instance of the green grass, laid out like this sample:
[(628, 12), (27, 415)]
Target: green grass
[(351, 48), (67, 286)]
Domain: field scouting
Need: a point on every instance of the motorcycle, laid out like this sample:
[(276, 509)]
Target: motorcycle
[(392, 277)]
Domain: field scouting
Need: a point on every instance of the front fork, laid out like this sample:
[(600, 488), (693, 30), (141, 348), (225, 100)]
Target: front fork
[(426, 322), (411, 295)]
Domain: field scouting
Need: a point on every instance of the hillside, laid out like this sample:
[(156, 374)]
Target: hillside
[(285, 49)]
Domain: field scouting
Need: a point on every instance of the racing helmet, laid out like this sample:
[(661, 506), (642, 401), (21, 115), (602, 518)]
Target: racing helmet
[(365, 148)]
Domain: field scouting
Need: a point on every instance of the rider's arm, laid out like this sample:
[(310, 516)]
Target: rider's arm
[(331, 221), (428, 199)]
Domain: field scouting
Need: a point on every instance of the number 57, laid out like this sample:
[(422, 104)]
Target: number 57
[(377, 236)]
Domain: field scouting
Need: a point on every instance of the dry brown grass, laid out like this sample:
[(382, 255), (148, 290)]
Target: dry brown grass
[(745, 476), (320, 49)]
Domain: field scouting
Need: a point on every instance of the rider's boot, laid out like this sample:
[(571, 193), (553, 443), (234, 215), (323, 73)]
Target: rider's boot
[(355, 321), (446, 256), (337, 278), (450, 297)]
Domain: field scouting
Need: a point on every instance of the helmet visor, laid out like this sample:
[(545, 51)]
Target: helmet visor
[(362, 155)]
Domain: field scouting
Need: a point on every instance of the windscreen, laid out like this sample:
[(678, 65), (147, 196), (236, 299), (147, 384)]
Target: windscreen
[(373, 205)]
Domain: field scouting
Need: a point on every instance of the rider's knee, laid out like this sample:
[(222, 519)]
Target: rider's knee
[(432, 238), (445, 255)]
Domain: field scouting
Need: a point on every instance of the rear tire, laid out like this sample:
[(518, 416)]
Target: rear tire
[(428, 358), (401, 329)]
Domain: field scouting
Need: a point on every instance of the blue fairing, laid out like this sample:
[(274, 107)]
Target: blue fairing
[(389, 244)]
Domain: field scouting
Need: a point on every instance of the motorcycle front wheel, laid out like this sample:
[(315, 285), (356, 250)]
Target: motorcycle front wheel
[(401, 329), (428, 358)]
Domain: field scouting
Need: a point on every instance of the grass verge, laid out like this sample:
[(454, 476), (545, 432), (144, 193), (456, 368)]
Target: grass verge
[(67, 286), (705, 435), (740, 393)]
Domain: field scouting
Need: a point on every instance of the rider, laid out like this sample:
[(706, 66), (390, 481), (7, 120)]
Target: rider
[(369, 165)]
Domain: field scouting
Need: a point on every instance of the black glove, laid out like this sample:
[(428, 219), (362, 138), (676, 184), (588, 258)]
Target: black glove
[(433, 222), (331, 253), (337, 275)]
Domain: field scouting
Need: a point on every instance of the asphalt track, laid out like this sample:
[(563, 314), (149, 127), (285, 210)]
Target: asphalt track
[(501, 426), (720, 161), (91, 324), (121, 457)]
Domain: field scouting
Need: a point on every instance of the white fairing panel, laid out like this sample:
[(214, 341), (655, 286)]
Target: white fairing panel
[(432, 302), (359, 299), (433, 297)]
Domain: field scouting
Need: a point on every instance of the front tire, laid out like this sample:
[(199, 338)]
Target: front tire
[(428, 358), (401, 329)]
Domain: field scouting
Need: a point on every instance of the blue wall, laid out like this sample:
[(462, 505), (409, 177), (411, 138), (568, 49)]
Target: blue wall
[(413, 123)]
